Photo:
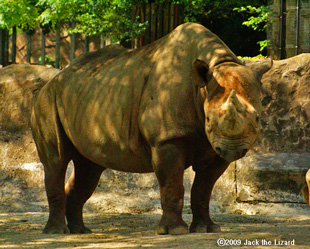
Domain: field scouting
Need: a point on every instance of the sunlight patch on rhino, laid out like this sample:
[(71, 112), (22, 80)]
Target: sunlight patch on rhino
[(160, 108)]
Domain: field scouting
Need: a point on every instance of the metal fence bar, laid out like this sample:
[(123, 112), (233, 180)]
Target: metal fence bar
[(162, 18), (288, 28)]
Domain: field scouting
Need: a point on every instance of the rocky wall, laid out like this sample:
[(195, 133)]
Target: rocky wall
[(21, 175), (274, 170), (19, 84)]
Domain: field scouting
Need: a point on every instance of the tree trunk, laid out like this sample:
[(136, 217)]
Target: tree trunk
[(43, 37), (28, 45), (13, 55), (102, 41), (6, 47), (86, 49), (72, 39), (57, 48), (2, 37)]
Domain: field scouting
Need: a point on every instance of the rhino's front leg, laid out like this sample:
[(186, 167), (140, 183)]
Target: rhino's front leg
[(206, 175), (168, 163)]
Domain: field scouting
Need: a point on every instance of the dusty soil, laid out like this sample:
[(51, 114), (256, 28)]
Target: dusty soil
[(125, 210), (133, 230), (124, 215)]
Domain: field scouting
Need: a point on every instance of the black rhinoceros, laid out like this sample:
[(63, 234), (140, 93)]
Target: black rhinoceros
[(184, 100)]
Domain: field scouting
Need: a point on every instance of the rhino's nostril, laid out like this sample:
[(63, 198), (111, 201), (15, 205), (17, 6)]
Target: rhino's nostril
[(244, 152), (218, 150)]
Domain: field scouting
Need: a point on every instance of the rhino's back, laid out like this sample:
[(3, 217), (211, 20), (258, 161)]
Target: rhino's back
[(114, 109), (123, 105), (97, 104)]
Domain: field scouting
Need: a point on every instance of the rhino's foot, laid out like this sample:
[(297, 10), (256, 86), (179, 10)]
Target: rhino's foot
[(173, 230), (203, 228), (78, 229), (56, 230)]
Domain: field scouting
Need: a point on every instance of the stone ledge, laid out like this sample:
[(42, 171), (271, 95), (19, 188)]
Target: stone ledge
[(275, 178)]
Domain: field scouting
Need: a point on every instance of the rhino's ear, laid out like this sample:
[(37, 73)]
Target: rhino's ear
[(259, 66), (203, 77), (201, 74)]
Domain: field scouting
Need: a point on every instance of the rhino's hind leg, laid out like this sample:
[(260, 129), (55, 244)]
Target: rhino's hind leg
[(80, 186), (55, 170), (54, 185), (54, 149), (205, 178), (168, 162)]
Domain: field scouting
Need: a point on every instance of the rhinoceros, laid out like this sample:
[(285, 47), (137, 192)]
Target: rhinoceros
[(184, 100)]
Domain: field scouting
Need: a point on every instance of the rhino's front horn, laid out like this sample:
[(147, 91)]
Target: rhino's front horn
[(233, 99), (232, 124)]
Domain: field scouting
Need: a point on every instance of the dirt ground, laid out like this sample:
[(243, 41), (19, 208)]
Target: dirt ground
[(134, 230), (125, 214)]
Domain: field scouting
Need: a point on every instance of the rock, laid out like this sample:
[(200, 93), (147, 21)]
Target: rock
[(19, 84), (274, 171), (271, 177), (286, 107)]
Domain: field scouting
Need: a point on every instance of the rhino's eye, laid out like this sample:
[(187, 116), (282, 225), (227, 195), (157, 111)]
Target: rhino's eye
[(257, 118), (208, 119)]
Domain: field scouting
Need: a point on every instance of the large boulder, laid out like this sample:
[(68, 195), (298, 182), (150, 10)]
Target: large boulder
[(275, 169), (286, 101), (19, 84)]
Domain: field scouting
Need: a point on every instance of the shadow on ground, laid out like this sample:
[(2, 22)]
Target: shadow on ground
[(110, 230)]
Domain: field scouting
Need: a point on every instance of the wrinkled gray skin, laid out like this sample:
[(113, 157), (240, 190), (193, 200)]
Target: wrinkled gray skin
[(184, 100)]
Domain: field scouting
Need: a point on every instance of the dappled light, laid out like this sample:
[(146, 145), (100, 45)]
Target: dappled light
[(178, 137), (144, 110), (23, 230)]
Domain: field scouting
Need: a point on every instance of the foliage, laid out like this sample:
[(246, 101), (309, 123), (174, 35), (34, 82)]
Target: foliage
[(252, 58), (263, 44), (193, 9), (21, 13), (55, 11), (222, 8), (48, 60), (258, 21), (112, 18)]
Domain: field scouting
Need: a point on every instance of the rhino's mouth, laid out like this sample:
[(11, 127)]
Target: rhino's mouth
[(231, 149)]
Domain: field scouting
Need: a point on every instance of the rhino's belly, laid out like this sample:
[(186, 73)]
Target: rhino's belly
[(103, 127), (122, 156)]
